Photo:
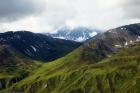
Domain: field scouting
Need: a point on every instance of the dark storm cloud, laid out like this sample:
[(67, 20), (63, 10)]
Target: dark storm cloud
[(131, 9), (11, 10)]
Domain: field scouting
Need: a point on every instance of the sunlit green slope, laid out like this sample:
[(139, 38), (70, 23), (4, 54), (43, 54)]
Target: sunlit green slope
[(118, 73)]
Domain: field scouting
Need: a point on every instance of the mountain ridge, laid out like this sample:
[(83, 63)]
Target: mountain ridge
[(38, 46)]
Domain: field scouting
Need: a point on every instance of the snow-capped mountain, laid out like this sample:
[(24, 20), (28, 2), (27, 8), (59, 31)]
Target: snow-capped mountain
[(78, 34)]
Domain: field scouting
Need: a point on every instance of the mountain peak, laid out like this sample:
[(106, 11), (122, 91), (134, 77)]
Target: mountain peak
[(79, 34)]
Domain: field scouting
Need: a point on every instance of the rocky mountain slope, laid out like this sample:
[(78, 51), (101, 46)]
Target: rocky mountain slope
[(79, 34), (108, 63), (38, 46), (110, 41)]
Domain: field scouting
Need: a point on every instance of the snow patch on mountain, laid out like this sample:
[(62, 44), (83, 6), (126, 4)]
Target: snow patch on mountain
[(34, 48), (60, 37), (79, 34), (80, 39), (93, 34)]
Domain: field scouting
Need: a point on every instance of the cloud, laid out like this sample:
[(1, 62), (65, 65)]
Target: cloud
[(131, 9), (58, 12), (48, 15), (11, 10)]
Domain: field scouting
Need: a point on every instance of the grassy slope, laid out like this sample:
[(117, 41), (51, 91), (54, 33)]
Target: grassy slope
[(119, 73), (14, 66)]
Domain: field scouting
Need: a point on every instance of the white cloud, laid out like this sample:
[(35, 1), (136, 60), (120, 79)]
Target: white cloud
[(11, 10), (103, 14)]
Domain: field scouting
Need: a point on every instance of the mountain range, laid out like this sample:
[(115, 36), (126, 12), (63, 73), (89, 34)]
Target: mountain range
[(107, 63), (79, 34), (38, 46)]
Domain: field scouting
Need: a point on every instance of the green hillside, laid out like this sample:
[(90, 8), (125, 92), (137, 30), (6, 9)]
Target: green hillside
[(14, 66), (117, 73)]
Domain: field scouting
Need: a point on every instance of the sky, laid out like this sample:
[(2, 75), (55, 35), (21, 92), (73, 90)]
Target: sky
[(50, 15)]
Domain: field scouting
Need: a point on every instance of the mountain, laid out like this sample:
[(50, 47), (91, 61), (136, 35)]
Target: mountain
[(110, 41), (15, 64), (78, 34), (107, 63), (38, 46)]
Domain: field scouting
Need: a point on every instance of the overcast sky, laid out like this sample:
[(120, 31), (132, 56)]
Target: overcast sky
[(49, 15)]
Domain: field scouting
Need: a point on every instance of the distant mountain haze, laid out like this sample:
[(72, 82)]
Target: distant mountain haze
[(79, 34)]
